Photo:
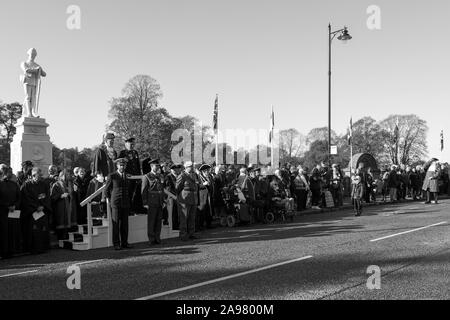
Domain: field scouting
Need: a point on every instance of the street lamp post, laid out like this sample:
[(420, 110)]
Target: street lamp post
[(344, 36)]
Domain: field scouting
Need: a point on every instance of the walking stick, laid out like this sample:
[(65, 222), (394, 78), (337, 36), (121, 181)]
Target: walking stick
[(38, 93)]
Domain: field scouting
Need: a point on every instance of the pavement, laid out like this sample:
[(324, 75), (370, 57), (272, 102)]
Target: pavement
[(328, 255)]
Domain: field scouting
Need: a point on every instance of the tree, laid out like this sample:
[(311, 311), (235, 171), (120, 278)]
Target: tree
[(318, 152), (292, 145), (136, 113), (410, 146), (368, 137), (9, 114), (71, 158), (320, 134)]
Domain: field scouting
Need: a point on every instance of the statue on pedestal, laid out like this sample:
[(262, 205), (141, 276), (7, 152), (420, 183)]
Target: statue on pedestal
[(31, 80)]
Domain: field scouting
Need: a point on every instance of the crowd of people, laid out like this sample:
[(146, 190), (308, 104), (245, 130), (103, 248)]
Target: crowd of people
[(195, 194)]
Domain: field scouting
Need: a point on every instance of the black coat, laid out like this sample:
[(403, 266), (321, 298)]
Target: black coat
[(9, 194), (34, 195), (102, 162), (219, 181), (133, 165), (117, 190), (393, 179)]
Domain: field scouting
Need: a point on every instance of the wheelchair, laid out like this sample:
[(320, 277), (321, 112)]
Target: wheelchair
[(278, 212), (236, 208)]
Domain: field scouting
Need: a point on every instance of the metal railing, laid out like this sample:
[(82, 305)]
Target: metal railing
[(88, 202)]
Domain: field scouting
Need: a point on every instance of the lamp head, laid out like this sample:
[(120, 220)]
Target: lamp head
[(345, 36)]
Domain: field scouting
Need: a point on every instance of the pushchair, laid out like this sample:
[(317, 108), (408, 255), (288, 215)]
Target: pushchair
[(236, 208)]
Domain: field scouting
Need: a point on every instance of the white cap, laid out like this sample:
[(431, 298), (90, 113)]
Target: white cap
[(188, 164)]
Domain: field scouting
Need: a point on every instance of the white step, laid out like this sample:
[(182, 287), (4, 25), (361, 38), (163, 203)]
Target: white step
[(96, 230), (100, 241), (80, 246)]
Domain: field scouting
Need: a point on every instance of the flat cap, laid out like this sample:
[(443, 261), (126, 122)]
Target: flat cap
[(110, 136), (131, 139)]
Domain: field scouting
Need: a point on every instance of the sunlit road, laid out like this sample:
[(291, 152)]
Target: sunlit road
[(320, 256)]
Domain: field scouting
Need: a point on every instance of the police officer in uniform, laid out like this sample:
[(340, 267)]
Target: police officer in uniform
[(133, 168), (117, 186), (187, 192), (153, 199)]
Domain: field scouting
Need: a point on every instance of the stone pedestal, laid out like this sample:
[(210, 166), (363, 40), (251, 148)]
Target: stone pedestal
[(31, 142)]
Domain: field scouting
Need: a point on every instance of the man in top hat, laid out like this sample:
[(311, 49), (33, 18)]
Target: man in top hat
[(153, 199), (187, 192), (105, 156), (133, 168), (117, 186)]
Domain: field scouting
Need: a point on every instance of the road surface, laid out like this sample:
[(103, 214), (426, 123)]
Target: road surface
[(318, 256)]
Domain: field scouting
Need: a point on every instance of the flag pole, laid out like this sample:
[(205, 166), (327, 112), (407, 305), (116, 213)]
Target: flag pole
[(351, 157), (272, 125), (351, 146), (217, 130)]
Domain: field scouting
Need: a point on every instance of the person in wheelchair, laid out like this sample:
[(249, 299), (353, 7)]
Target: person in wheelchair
[(279, 198)]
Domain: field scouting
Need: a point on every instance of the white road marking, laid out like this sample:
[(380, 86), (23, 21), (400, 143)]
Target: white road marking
[(205, 283), (409, 231), (17, 274)]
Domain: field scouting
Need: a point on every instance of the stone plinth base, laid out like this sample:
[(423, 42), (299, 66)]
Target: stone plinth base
[(31, 142)]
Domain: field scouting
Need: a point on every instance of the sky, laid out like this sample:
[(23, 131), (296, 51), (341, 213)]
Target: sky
[(252, 53)]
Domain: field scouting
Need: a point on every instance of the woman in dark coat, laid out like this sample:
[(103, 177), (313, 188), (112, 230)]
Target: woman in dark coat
[(35, 196), (430, 183), (9, 201), (80, 187), (60, 197)]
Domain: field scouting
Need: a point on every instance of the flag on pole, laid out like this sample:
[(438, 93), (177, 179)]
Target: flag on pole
[(216, 113), (396, 131), (350, 134), (442, 140), (272, 126)]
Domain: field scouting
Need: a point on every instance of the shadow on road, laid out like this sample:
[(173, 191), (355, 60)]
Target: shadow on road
[(305, 226)]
